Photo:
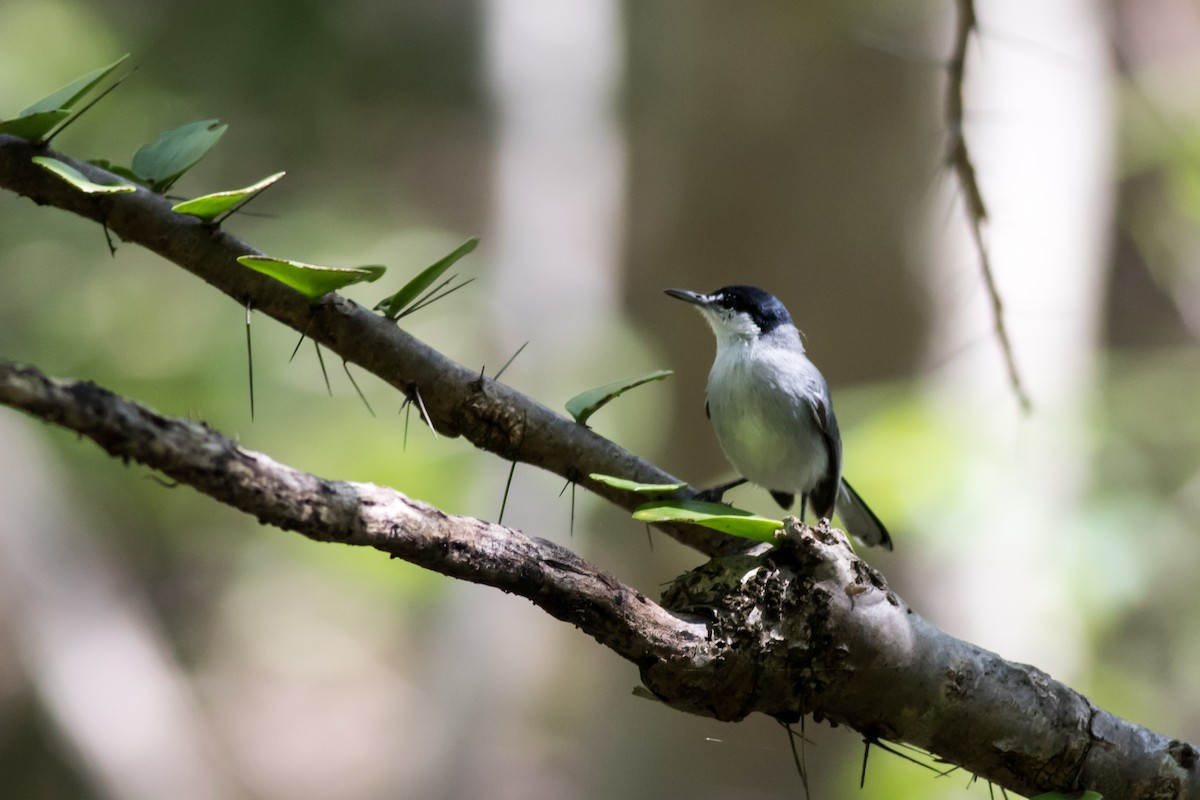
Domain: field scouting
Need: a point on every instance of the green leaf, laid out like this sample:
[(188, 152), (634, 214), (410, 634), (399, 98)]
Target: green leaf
[(634, 486), (211, 205), (78, 179), (582, 406), (175, 152), (68, 95), (392, 305), (309, 279), (34, 127), (717, 516)]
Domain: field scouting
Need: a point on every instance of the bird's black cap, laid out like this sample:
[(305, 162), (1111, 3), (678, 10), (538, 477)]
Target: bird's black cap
[(767, 311)]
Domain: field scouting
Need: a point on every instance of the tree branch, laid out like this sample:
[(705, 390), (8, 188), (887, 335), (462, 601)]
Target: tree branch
[(459, 401), (362, 514), (805, 627)]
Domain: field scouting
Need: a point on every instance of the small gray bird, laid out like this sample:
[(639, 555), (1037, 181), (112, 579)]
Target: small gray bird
[(771, 410)]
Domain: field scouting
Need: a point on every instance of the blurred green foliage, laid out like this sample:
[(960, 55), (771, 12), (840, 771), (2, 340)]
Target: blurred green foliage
[(380, 114)]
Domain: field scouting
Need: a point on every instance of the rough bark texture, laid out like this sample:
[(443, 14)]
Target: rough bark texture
[(804, 627)]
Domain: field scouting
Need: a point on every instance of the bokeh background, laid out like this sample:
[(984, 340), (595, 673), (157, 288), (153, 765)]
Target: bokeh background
[(153, 643)]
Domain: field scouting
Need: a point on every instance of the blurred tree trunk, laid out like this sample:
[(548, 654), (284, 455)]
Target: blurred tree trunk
[(779, 146)]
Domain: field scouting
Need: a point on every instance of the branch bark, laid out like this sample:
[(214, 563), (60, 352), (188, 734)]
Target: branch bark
[(459, 401), (804, 627), (361, 514)]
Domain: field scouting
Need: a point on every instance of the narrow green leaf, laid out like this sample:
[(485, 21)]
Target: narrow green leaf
[(634, 486), (78, 179), (68, 95), (392, 305), (210, 206), (309, 279), (34, 127), (717, 516), (175, 152), (582, 406)]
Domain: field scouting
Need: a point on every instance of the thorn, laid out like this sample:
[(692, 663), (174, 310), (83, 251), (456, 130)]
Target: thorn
[(250, 360), (879, 743), (406, 406), (324, 373), (417, 306), (510, 360), (79, 113), (424, 412), (797, 759), (112, 248), (431, 292), (296, 349), (354, 383), (237, 207), (507, 486), (804, 752)]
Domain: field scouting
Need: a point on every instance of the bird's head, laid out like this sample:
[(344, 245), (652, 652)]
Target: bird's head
[(738, 312)]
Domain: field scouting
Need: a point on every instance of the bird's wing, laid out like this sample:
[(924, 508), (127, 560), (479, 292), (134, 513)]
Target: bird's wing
[(856, 515), (860, 520), (823, 496)]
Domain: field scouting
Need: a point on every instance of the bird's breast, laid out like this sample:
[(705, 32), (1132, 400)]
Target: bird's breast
[(764, 421)]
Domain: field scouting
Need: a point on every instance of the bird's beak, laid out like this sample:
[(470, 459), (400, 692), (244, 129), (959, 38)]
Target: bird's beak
[(695, 298)]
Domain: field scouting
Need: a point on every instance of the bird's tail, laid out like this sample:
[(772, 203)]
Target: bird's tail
[(860, 521)]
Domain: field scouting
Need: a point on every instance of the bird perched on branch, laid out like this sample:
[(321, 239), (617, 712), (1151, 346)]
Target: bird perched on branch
[(771, 410)]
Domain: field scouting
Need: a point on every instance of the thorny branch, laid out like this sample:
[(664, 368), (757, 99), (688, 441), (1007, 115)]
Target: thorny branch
[(455, 400), (959, 157)]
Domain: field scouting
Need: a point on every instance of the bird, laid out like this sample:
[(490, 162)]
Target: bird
[(771, 410)]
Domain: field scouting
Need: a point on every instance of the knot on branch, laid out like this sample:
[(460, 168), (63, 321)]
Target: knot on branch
[(495, 425), (775, 638)]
